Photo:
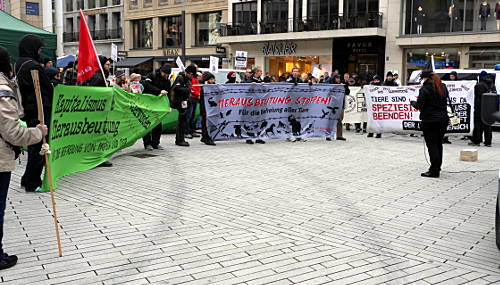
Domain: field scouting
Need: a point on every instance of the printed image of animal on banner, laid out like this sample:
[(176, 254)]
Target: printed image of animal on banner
[(355, 106), (272, 111)]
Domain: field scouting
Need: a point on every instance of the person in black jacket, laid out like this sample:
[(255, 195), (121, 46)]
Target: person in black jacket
[(389, 80), (432, 102), (209, 78), (485, 85), (338, 80), (97, 79), (377, 81), (30, 47), (156, 83), (180, 93), (295, 77)]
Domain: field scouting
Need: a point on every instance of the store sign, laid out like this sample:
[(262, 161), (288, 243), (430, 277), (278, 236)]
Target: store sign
[(220, 50), (32, 8), (172, 52), (279, 48), (122, 53), (356, 47)]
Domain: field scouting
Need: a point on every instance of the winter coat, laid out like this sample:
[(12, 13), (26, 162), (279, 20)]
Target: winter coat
[(484, 10), (294, 80), (155, 83), (29, 60), (432, 107), (497, 10), (10, 129), (390, 83), (256, 80), (481, 88), (195, 90)]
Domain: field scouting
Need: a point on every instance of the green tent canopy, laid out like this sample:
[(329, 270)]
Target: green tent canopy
[(12, 30)]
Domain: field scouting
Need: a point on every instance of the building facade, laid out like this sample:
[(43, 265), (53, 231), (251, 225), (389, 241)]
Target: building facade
[(363, 36), (154, 32), (105, 21), (29, 11)]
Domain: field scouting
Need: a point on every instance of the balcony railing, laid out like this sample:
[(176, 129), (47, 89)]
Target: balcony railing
[(304, 24), (96, 35)]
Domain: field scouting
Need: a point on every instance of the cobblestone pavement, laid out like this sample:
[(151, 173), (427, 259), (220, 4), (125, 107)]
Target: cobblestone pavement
[(314, 212)]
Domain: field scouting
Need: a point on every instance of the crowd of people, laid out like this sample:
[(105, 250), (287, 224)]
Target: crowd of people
[(185, 93)]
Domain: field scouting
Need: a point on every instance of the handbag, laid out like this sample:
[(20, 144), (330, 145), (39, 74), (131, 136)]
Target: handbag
[(454, 120)]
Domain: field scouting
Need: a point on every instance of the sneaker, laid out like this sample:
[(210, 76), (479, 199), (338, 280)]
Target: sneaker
[(148, 148), (341, 139), (358, 130), (473, 144), (195, 135), (105, 164), (159, 147), (184, 143), (378, 136), (370, 135), (39, 189), (207, 141), (329, 139), (8, 261), (291, 140), (188, 136), (260, 141), (487, 145), (249, 141)]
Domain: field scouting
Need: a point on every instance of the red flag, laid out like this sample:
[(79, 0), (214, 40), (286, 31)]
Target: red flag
[(88, 61)]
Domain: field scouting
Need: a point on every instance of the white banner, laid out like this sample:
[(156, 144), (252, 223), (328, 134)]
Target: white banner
[(390, 111), (214, 64), (355, 106)]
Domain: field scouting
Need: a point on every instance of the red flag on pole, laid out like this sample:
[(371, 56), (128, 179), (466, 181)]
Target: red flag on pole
[(88, 61)]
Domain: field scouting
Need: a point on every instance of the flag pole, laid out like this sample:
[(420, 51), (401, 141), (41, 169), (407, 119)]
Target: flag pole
[(36, 82)]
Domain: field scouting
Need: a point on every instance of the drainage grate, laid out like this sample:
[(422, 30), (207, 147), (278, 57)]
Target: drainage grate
[(143, 155)]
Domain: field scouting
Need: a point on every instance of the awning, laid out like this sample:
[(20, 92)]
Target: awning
[(205, 57), (132, 61)]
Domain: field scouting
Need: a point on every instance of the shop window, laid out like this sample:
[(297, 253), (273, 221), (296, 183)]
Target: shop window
[(245, 18), (172, 31), (208, 28), (274, 16), (417, 59), (143, 34), (484, 57), (443, 16)]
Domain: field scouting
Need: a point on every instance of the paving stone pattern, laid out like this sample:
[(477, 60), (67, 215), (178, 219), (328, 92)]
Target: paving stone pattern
[(314, 212)]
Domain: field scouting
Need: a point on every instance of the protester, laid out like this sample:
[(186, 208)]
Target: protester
[(231, 77), (121, 81), (54, 76), (295, 77), (346, 77), (389, 80), (70, 74), (485, 85), (12, 136), (135, 83), (180, 100), (377, 81), (327, 78), (432, 102), (453, 76), (194, 98), (209, 78), (156, 83), (256, 75), (100, 78), (30, 47), (337, 80), (248, 76), (396, 79), (47, 62)]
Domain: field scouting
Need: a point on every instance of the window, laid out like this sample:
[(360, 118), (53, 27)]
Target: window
[(274, 16), (91, 4), (208, 28), (69, 5), (133, 4), (79, 4), (245, 18), (143, 34), (103, 3), (361, 13), (172, 31), (148, 3)]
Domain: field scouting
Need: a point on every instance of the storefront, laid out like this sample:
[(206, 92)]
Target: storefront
[(361, 55), (279, 57)]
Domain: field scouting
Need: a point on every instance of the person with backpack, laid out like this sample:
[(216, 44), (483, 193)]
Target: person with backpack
[(156, 83), (12, 136), (30, 47), (486, 85)]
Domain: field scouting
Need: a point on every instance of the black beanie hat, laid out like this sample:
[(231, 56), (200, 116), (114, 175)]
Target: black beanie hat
[(191, 69), (426, 74), (5, 66), (389, 74), (166, 68)]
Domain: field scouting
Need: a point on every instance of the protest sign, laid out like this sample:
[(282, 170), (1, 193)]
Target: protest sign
[(390, 111), (272, 111), (355, 106), (89, 124), (241, 59), (214, 64)]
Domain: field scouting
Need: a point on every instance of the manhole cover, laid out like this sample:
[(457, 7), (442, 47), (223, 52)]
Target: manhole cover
[(143, 155)]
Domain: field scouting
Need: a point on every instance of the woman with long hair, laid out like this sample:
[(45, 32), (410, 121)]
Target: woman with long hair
[(432, 100)]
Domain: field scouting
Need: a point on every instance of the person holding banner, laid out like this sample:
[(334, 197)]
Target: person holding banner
[(180, 93), (486, 85), (12, 135), (432, 101), (30, 47), (338, 80), (377, 81), (208, 78)]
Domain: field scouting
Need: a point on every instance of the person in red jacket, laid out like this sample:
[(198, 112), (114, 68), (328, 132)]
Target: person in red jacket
[(194, 99)]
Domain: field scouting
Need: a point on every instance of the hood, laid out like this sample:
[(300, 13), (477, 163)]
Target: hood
[(29, 46), (5, 66), (102, 60)]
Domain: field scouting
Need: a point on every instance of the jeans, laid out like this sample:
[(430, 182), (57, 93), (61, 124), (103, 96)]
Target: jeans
[(190, 117), (153, 138), (4, 188), (479, 129), (433, 135)]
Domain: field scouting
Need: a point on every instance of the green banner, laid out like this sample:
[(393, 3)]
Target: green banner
[(89, 124)]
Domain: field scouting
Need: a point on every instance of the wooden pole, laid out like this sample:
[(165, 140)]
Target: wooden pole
[(36, 83)]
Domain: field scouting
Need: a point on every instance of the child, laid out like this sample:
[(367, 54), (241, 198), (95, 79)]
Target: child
[(135, 83)]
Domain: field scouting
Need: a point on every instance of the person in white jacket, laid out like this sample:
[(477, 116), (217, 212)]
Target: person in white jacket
[(12, 135)]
